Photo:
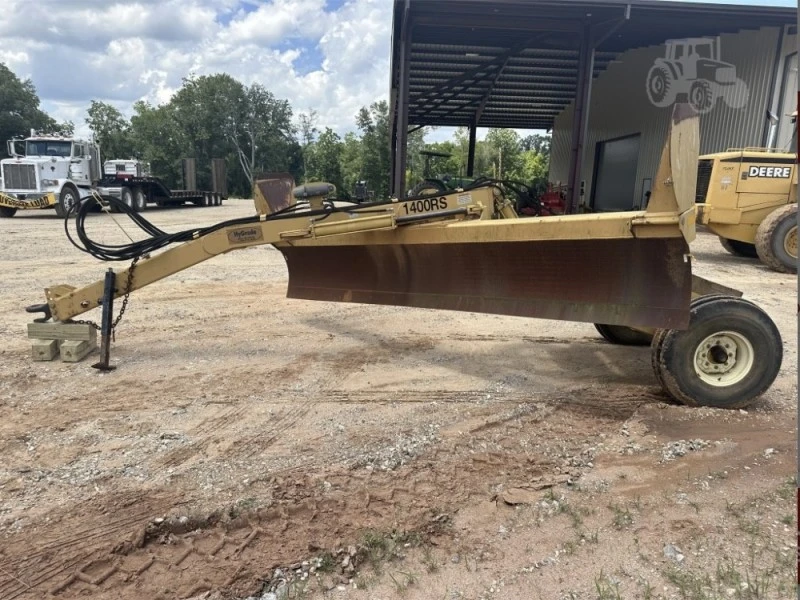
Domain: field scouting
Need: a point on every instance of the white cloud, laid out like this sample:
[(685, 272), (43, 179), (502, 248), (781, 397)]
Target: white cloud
[(120, 52), (275, 21)]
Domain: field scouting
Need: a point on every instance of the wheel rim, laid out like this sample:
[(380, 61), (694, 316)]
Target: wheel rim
[(724, 358), (69, 200), (128, 199), (790, 242)]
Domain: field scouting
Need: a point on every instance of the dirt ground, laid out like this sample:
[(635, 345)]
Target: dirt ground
[(253, 446)]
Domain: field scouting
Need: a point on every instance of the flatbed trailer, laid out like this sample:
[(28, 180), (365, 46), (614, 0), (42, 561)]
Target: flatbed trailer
[(138, 192)]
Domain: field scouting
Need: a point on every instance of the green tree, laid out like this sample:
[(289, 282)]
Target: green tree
[(215, 116), (351, 161), (415, 161), (484, 155), (373, 122), (325, 162), (538, 143), (110, 129), (20, 112), (206, 111), (261, 131), (157, 140), (535, 166), (506, 153), (308, 132)]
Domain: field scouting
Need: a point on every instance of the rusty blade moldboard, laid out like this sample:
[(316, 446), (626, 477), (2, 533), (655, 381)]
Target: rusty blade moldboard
[(634, 282)]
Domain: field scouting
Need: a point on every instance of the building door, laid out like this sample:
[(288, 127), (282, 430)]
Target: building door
[(615, 167)]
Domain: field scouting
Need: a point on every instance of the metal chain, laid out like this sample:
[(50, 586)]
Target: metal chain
[(128, 286)]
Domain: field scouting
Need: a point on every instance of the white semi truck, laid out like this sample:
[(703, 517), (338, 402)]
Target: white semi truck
[(47, 171)]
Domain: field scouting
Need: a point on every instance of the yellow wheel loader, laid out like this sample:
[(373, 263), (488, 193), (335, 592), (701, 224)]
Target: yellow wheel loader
[(466, 250), (748, 197)]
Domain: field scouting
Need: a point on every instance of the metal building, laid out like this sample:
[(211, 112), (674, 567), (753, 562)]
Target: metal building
[(549, 64), (626, 127)]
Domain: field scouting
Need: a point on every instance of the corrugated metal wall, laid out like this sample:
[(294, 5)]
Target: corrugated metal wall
[(620, 107)]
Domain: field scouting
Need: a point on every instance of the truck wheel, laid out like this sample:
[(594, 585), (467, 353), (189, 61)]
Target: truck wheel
[(6, 212), (126, 195), (659, 87), (730, 354), (139, 200), (738, 248), (701, 96), (624, 336), (776, 239), (68, 199)]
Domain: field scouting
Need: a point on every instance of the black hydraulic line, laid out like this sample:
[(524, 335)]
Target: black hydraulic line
[(158, 239)]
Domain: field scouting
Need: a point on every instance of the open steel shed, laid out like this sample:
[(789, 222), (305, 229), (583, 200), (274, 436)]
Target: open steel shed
[(519, 63)]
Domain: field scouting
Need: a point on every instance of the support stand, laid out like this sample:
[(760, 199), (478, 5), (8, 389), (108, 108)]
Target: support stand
[(106, 325)]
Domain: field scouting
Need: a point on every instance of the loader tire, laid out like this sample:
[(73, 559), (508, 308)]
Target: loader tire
[(6, 212), (68, 201), (624, 336), (730, 354), (738, 248), (776, 239)]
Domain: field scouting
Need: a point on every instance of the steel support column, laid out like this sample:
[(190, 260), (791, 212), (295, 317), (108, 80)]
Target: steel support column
[(401, 140), (471, 153), (580, 117)]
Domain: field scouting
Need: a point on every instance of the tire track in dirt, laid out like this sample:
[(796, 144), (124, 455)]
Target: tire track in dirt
[(40, 563), (177, 562), (263, 439), (212, 429)]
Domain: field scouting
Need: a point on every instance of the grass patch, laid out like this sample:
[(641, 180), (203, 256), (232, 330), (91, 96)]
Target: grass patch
[(606, 589), (623, 517), (730, 582)]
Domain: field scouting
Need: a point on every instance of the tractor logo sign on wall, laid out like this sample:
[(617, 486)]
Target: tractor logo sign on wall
[(692, 69)]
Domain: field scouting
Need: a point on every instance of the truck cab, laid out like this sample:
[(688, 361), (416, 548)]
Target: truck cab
[(44, 167)]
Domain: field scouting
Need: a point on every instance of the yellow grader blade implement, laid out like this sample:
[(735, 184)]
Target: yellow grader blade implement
[(629, 273), (628, 269)]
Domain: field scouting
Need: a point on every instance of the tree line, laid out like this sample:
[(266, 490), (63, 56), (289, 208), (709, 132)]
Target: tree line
[(217, 116)]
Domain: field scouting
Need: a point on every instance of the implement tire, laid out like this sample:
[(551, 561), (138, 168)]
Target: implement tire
[(624, 336), (730, 354), (776, 239), (738, 248)]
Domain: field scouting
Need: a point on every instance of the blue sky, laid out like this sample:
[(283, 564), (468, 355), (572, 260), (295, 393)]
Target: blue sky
[(331, 56)]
